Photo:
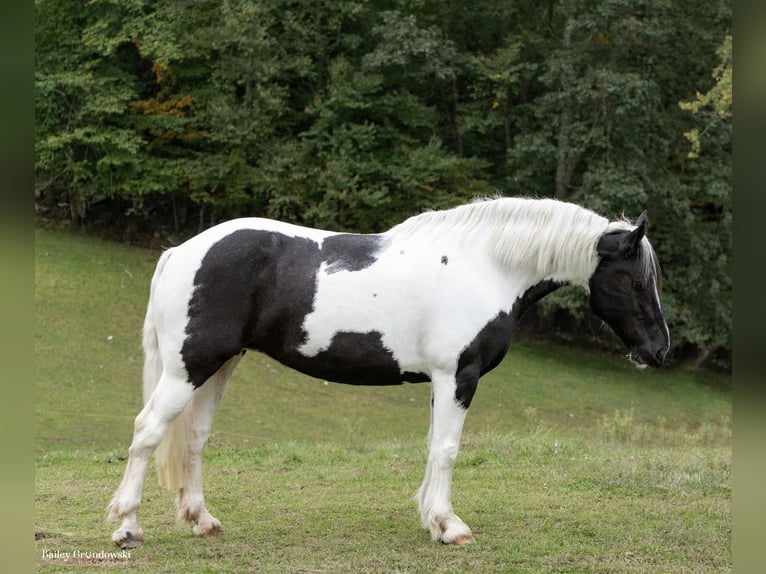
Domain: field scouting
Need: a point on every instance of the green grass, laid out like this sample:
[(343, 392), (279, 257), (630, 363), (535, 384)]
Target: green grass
[(571, 461), (536, 504)]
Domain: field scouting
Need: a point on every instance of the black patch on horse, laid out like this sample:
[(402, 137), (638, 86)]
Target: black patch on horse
[(254, 289), (350, 252), (491, 344), (356, 359)]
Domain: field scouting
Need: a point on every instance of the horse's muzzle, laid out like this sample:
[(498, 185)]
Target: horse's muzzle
[(642, 358)]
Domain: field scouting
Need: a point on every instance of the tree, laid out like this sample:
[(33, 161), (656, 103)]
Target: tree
[(84, 143), (705, 319), (714, 106)]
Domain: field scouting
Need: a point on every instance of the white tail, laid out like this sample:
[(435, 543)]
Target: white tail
[(172, 454)]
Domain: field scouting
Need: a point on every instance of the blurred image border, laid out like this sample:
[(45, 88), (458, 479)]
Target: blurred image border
[(17, 281), (749, 462)]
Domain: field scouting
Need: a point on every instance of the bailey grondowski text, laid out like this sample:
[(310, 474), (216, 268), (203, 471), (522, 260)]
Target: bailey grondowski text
[(96, 555)]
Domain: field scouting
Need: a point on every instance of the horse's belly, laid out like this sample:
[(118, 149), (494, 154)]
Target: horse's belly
[(353, 358)]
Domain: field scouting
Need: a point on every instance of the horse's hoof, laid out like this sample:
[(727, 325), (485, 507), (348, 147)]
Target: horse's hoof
[(458, 535), (462, 539), (127, 539), (209, 531)]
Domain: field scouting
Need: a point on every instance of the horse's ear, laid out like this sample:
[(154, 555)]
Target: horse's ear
[(643, 222), (631, 241)]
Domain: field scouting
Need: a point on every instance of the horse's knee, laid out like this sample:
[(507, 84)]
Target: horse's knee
[(145, 440), (144, 430), (445, 456)]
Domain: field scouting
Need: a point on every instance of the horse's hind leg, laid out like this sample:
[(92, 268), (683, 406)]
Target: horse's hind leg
[(169, 398), (191, 502)]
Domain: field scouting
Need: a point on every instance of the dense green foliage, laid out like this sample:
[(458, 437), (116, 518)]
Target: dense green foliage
[(168, 116)]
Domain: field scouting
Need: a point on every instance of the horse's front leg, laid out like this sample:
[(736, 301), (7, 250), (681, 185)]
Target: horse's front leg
[(435, 495)]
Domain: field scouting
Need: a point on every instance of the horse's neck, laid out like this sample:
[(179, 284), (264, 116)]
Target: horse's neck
[(545, 239), (541, 263)]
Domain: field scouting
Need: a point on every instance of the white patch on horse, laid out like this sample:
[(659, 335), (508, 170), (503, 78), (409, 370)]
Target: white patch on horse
[(408, 298)]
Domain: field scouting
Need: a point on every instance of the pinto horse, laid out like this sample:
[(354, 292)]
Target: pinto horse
[(435, 298)]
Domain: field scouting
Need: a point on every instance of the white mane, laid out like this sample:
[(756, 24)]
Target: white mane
[(553, 239)]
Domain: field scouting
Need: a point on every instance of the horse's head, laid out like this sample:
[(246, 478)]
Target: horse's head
[(624, 293)]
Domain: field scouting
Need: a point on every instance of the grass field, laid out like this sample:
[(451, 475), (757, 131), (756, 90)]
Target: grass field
[(571, 461)]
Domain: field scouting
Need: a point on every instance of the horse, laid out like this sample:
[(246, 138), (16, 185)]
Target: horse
[(435, 298)]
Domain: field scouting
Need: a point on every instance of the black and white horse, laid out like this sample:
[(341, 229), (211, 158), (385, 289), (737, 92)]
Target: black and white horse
[(435, 298)]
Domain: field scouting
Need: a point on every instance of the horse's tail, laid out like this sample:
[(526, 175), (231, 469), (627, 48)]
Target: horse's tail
[(172, 453), (152, 360)]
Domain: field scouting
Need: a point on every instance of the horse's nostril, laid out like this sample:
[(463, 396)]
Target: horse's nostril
[(661, 355)]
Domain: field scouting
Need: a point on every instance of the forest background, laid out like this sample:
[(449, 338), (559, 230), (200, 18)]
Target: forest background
[(154, 120)]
